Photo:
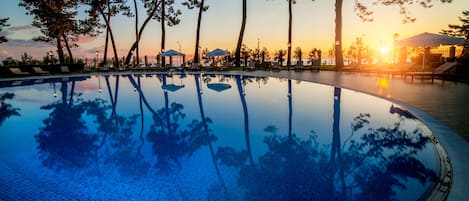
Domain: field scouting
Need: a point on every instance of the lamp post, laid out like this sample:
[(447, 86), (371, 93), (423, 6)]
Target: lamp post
[(97, 59), (258, 48), (395, 36), (180, 59), (99, 84), (49, 56)]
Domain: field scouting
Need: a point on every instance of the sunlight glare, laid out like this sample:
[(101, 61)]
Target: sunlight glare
[(384, 50)]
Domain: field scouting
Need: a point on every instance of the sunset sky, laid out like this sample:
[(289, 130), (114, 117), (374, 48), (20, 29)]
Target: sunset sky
[(267, 21)]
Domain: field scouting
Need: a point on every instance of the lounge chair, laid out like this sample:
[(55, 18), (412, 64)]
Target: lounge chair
[(105, 68), (353, 67), (439, 72), (193, 67), (18, 72), (299, 66), (275, 66), (64, 69), (39, 71), (207, 67), (225, 66), (400, 69), (251, 66)]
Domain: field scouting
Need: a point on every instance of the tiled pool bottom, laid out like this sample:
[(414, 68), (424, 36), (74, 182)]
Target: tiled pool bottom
[(30, 182), (193, 137)]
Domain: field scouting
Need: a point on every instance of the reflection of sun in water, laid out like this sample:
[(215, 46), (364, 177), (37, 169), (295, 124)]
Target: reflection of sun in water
[(383, 87)]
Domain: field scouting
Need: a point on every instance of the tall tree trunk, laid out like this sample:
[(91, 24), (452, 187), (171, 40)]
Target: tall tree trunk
[(108, 25), (69, 51), (241, 36), (339, 58), (206, 131), (60, 50), (72, 92), (197, 37), (107, 32), (336, 147), (64, 91), (246, 118), (290, 109), (166, 106), (163, 31), (142, 127), (106, 45), (289, 33), (134, 45), (136, 31)]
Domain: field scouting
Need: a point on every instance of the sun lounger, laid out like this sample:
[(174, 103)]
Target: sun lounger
[(299, 66), (207, 68), (275, 66), (193, 67), (251, 66), (400, 69), (438, 73), (64, 69), (39, 71), (18, 72)]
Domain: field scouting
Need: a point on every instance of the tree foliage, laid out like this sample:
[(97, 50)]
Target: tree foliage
[(461, 30), (366, 14), (3, 23), (55, 19)]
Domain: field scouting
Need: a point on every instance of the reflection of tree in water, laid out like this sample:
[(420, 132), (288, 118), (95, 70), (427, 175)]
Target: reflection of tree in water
[(66, 142), (6, 109), (63, 142), (383, 160), (171, 141), (372, 167)]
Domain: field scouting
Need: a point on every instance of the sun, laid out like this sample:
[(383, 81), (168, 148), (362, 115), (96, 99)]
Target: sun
[(384, 50)]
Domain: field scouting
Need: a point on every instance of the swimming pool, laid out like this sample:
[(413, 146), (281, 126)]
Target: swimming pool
[(209, 137)]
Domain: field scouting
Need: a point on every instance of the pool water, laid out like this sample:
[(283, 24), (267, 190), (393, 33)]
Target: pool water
[(207, 137)]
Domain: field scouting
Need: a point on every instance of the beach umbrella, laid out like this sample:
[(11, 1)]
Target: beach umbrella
[(430, 40), (218, 87), (171, 53), (217, 52), (172, 87)]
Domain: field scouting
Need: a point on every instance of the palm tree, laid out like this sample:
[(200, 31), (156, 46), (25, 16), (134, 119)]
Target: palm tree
[(298, 53), (241, 35), (279, 56)]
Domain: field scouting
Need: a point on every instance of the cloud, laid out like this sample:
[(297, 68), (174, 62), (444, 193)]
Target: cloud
[(4, 53), (25, 43), (86, 39), (13, 31), (20, 28)]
